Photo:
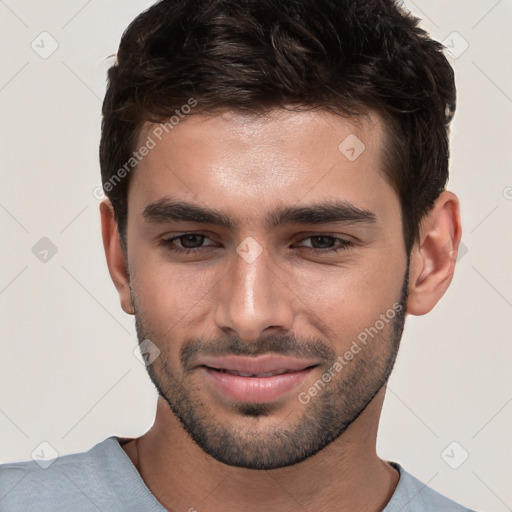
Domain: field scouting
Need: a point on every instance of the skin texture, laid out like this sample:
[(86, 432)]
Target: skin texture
[(206, 451)]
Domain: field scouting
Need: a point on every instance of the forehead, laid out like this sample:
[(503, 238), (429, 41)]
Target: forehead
[(248, 162)]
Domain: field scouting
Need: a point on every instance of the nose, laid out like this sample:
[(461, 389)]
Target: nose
[(253, 298)]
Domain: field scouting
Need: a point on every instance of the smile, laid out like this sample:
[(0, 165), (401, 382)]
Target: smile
[(255, 387)]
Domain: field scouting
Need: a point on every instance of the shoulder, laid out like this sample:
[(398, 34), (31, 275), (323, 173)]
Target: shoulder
[(411, 495), (58, 484)]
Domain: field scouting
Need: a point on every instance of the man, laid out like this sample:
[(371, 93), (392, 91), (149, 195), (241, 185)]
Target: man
[(275, 176)]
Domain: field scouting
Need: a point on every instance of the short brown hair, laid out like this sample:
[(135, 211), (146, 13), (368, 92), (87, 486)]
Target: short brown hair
[(345, 56)]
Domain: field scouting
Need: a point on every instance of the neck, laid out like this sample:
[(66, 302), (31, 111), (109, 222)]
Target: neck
[(346, 475)]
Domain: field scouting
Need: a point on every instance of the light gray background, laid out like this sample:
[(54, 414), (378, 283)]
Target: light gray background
[(68, 373)]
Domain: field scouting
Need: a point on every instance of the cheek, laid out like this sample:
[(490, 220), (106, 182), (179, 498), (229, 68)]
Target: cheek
[(170, 297), (349, 300)]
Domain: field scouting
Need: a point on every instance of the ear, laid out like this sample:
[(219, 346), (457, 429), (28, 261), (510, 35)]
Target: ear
[(433, 256), (116, 262)]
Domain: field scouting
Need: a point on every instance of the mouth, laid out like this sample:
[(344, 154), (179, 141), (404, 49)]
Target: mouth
[(261, 366), (259, 375), (255, 380)]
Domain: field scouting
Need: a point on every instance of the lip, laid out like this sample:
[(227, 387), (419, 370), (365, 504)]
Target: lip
[(257, 365), (255, 389)]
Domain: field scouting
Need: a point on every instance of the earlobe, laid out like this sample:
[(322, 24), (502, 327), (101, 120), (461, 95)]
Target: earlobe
[(117, 265), (433, 256)]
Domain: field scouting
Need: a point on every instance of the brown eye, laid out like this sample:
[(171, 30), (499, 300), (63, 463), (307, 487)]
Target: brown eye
[(186, 243), (190, 241), (327, 243)]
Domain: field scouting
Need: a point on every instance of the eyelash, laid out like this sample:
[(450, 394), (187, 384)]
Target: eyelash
[(344, 244)]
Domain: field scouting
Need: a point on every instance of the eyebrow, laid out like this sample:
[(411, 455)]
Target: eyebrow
[(168, 210)]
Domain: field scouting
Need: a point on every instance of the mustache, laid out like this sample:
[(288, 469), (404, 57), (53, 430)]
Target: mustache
[(285, 345)]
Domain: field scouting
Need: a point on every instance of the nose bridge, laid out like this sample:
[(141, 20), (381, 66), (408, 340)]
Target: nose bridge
[(251, 297)]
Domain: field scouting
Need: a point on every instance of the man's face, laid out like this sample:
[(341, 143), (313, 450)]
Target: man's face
[(266, 292)]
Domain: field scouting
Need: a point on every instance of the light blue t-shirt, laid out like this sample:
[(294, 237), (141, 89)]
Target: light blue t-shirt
[(104, 479)]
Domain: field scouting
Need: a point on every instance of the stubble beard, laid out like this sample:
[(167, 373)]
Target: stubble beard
[(262, 443)]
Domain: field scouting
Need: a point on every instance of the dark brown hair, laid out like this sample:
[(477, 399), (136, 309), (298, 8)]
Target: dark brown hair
[(346, 56)]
